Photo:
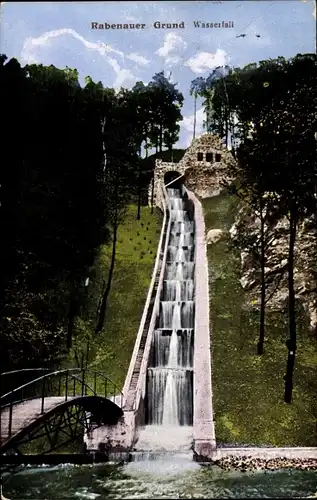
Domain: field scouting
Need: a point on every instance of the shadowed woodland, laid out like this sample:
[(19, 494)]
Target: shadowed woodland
[(74, 170)]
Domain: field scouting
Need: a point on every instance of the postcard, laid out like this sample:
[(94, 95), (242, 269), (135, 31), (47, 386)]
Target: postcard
[(158, 302)]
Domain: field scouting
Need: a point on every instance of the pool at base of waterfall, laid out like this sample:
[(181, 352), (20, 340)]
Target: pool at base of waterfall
[(160, 476)]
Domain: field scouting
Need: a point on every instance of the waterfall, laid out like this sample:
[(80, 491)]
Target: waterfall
[(169, 390), (175, 290)]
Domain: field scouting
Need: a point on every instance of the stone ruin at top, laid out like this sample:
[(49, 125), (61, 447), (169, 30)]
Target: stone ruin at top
[(203, 167)]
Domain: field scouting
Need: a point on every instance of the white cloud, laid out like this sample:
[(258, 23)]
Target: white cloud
[(137, 58), (30, 53), (123, 76), (171, 49), (188, 122), (205, 61), (45, 39), (184, 141), (187, 129)]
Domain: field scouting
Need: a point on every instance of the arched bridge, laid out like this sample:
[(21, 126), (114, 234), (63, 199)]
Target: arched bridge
[(54, 408)]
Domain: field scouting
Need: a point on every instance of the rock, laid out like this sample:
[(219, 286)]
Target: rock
[(214, 235), (312, 310), (246, 282), (233, 231), (246, 260)]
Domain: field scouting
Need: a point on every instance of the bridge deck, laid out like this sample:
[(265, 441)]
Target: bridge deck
[(23, 414)]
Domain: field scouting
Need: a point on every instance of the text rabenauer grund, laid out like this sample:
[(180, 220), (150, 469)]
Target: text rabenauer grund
[(159, 25)]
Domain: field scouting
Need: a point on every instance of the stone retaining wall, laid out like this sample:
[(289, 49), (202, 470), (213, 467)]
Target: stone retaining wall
[(203, 423), (267, 453)]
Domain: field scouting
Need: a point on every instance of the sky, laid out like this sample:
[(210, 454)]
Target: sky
[(61, 33)]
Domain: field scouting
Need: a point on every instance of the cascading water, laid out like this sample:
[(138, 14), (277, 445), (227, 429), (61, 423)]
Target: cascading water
[(169, 398)]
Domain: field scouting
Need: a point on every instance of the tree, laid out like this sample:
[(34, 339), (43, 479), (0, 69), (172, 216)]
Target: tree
[(196, 89), (166, 104), (250, 182), (216, 99), (282, 136), (121, 161), (65, 192), (54, 214)]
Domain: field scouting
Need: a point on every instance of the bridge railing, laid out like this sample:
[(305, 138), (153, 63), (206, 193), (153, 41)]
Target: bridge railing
[(15, 378), (65, 384)]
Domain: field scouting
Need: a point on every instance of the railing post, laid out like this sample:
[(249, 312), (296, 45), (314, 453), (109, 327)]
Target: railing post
[(59, 385), (43, 395), (95, 383), (74, 387), (10, 415), (66, 386), (106, 387)]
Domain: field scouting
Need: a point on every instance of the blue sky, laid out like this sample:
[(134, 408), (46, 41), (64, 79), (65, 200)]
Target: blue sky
[(60, 34)]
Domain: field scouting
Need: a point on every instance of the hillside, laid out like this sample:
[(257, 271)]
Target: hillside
[(247, 388), (111, 350)]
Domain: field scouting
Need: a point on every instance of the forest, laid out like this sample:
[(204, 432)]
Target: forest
[(269, 109), (73, 167)]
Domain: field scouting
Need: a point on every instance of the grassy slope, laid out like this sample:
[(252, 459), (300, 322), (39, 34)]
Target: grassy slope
[(110, 352), (248, 389)]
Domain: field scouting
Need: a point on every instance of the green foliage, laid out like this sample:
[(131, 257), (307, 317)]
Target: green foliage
[(236, 98), (73, 168), (275, 105)]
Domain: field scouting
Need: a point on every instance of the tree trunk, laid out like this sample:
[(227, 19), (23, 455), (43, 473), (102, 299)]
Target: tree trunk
[(139, 200), (226, 127), (291, 342), (71, 317), (103, 307), (232, 131), (263, 288), (195, 106), (138, 216), (208, 118), (161, 138), (152, 195)]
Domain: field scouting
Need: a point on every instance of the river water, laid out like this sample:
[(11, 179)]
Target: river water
[(177, 478)]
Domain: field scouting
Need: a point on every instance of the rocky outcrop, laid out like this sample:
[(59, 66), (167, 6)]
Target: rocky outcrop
[(305, 272)]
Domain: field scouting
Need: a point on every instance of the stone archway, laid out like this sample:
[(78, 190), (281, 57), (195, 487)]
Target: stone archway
[(161, 170)]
